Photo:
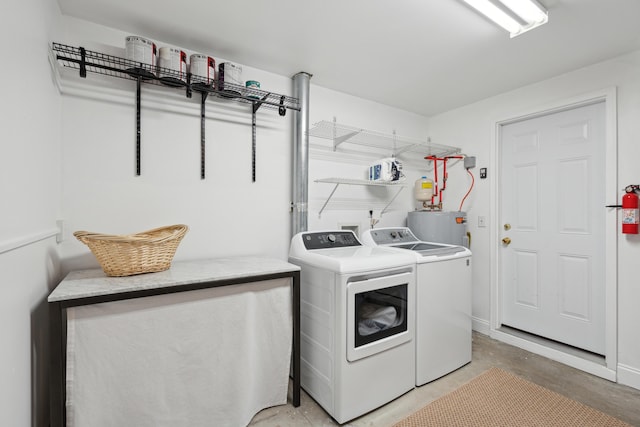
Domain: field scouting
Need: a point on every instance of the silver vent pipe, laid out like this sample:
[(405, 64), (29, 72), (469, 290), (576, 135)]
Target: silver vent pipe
[(301, 154)]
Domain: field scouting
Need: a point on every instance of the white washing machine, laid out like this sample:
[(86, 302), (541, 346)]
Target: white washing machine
[(357, 322), (443, 300)]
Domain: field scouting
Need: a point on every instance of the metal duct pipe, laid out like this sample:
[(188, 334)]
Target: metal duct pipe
[(301, 153)]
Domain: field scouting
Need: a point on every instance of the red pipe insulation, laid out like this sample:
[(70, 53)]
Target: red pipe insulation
[(435, 174), (444, 174)]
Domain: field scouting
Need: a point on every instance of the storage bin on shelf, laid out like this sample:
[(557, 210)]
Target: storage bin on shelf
[(126, 255)]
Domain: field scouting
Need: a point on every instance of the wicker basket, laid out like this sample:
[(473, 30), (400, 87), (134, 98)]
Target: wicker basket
[(126, 255)]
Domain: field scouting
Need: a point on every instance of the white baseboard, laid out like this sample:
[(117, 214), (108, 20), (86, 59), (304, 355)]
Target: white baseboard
[(480, 325), (628, 375)]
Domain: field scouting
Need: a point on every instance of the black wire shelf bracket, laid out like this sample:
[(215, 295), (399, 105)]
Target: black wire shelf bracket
[(87, 61)]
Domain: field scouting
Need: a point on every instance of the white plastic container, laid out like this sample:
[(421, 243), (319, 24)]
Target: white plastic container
[(388, 169), (172, 65), (202, 66), (423, 189)]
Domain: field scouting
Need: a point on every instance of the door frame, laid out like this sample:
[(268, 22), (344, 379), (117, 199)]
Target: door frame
[(608, 370)]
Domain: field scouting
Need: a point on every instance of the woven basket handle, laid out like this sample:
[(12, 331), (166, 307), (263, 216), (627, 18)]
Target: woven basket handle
[(156, 235)]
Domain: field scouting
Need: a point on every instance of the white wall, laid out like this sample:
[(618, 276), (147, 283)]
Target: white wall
[(90, 144), (30, 190), (472, 125), (227, 213), (350, 205)]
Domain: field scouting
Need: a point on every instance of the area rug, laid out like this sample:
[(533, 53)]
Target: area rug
[(497, 398)]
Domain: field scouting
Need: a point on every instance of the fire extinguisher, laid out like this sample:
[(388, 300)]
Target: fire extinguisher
[(630, 214)]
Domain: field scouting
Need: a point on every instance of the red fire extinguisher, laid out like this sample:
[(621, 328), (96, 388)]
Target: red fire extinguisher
[(630, 214)]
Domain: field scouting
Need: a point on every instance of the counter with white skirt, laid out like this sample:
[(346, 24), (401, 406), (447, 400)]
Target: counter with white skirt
[(204, 343)]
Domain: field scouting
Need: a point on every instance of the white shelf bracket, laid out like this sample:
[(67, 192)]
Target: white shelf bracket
[(390, 201), (339, 140), (346, 181), (328, 198)]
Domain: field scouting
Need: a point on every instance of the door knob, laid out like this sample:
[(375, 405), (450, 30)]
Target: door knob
[(506, 241), (507, 227)]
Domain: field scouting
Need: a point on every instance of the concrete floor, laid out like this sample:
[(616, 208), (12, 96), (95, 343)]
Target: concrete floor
[(614, 399)]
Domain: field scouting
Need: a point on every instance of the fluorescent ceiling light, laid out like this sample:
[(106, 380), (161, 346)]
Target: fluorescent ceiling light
[(530, 12)]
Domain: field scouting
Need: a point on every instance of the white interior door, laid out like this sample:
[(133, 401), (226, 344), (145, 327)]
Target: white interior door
[(552, 198)]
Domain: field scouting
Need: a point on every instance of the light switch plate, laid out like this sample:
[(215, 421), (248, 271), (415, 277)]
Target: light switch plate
[(60, 235)]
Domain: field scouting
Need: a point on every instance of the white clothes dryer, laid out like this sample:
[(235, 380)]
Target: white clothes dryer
[(357, 320), (443, 300)]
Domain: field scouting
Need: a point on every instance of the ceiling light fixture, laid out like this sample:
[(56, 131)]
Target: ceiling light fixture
[(517, 16)]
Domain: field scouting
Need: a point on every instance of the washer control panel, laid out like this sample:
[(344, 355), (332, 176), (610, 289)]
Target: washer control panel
[(330, 239), (386, 236)]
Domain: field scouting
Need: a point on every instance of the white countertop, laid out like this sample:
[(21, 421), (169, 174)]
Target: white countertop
[(94, 282)]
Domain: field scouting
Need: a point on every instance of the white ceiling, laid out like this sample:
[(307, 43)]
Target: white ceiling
[(425, 56)]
